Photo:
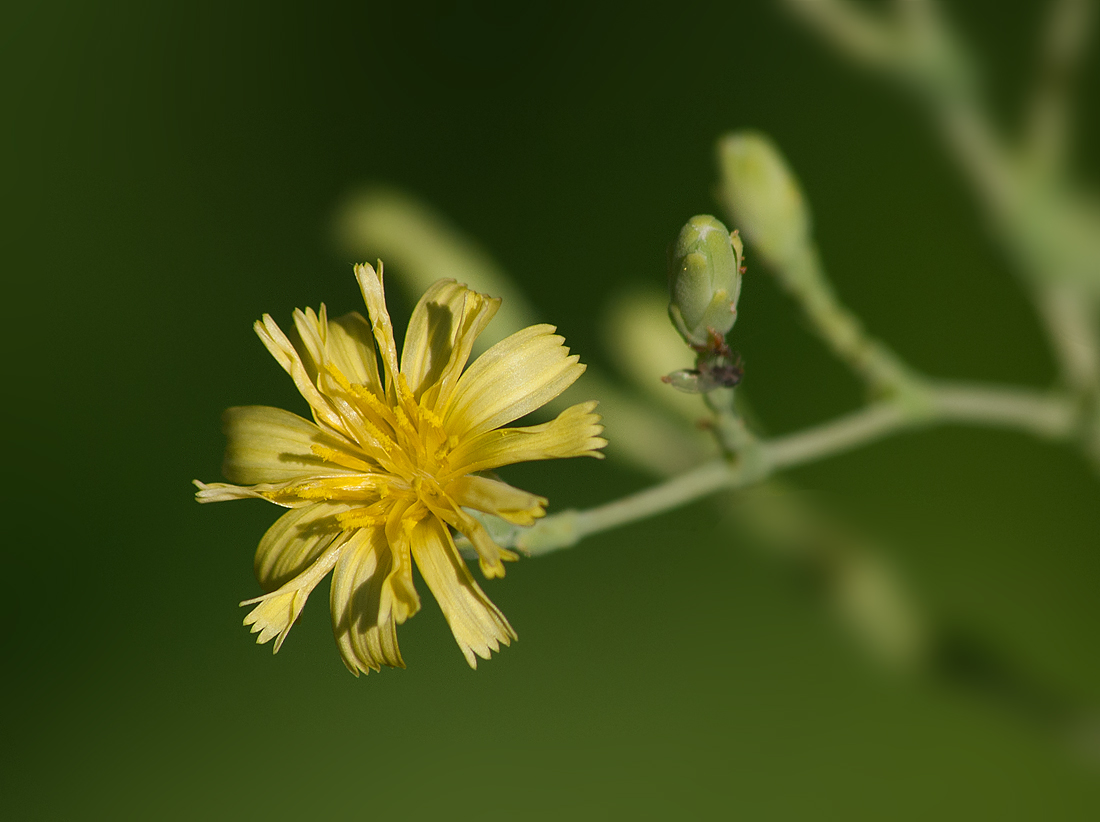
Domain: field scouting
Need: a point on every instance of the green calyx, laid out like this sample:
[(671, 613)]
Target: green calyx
[(704, 280)]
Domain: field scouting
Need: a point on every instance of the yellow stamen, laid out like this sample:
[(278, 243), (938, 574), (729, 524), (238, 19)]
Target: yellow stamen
[(341, 458), (338, 375)]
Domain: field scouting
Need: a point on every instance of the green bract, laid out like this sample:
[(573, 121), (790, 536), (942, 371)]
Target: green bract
[(763, 197), (704, 280)]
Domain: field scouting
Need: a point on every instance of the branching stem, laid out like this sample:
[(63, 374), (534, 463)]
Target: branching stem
[(1045, 414)]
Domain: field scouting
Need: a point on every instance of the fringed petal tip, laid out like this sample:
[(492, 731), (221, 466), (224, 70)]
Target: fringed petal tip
[(220, 492), (477, 624), (276, 612), (578, 430), (588, 429), (486, 651), (274, 616), (493, 567), (366, 585)]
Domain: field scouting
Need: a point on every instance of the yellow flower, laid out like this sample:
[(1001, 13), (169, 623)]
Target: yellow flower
[(392, 461)]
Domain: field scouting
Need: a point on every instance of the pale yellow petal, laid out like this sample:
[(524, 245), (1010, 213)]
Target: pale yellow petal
[(337, 353), (441, 334), (574, 433), (479, 310), (370, 283), (276, 612), (332, 383), (490, 556), (432, 327), (360, 488), (497, 498), (288, 356), (514, 377), (478, 626), (406, 601), (351, 348), (294, 542), (312, 329), (269, 491), (363, 620), (268, 445)]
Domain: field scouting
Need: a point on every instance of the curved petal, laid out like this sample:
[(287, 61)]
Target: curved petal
[(478, 626), (351, 347), (295, 541), (265, 444), (575, 432), (370, 283), (441, 334), (276, 492), (312, 328), (290, 359), (276, 612), (363, 619), (406, 601), (514, 377), (337, 353), (490, 556), (497, 498)]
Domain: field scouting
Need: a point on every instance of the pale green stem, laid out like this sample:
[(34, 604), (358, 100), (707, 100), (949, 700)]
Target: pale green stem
[(804, 279), (1017, 195), (1061, 52), (1071, 322), (842, 434), (1049, 415), (669, 495), (734, 437)]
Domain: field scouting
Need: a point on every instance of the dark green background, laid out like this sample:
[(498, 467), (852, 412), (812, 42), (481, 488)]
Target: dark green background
[(171, 172)]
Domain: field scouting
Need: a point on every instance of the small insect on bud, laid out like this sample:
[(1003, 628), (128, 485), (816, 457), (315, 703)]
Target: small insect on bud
[(762, 196), (704, 280)]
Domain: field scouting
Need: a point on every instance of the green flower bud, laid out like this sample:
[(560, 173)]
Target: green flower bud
[(704, 280), (763, 197)]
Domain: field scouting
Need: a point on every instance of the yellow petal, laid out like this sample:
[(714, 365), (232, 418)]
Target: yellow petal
[(514, 377), (338, 353), (362, 604), (312, 328), (406, 601), (290, 359), (442, 330), (294, 542), (370, 283), (275, 613), (271, 491), (431, 331), (478, 626), (497, 498), (574, 433), (338, 390), (268, 445), (490, 556), (352, 350)]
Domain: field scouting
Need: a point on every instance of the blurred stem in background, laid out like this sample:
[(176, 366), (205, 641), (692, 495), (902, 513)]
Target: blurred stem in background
[(1047, 227)]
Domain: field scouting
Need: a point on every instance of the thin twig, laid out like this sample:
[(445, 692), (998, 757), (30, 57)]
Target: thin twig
[(1049, 415), (1049, 116)]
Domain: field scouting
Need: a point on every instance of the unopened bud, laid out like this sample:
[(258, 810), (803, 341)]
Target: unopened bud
[(704, 280), (763, 197)]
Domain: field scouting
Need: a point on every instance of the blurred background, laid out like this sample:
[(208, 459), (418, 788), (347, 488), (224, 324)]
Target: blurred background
[(173, 170)]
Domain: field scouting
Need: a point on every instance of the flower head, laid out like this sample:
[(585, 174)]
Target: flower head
[(392, 461)]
